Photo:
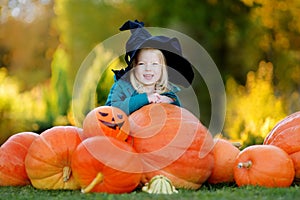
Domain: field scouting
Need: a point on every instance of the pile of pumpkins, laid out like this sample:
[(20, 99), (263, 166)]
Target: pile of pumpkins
[(116, 153)]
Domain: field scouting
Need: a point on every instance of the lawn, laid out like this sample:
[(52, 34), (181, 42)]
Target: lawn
[(206, 192)]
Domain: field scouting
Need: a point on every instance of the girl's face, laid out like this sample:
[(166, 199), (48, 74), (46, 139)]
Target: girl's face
[(148, 68)]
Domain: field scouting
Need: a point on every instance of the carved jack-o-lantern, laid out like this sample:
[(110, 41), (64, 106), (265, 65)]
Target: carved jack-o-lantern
[(106, 120)]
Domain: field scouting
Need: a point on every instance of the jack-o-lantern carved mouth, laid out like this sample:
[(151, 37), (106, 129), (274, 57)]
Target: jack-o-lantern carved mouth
[(112, 125)]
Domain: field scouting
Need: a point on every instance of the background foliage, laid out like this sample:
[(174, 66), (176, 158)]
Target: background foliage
[(255, 44)]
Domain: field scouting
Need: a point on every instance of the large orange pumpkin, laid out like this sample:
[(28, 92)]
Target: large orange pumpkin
[(48, 161), (286, 135), (105, 164), (264, 165), (106, 120), (225, 154), (172, 142), (12, 159)]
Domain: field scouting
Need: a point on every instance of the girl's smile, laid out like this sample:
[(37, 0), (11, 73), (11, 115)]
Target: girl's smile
[(148, 76)]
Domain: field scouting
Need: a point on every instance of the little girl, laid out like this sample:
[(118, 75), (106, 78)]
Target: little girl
[(147, 83), (146, 79)]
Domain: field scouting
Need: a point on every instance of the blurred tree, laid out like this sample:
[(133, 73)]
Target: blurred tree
[(253, 109), (274, 35), (93, 82), (27, 40), (57, 95), (19, 111), (83, 24)]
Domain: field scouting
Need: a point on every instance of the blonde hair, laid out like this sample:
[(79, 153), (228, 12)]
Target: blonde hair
[(163, 83)]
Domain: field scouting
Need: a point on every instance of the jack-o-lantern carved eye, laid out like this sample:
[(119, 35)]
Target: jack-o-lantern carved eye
[(120, 116), (103, 114)]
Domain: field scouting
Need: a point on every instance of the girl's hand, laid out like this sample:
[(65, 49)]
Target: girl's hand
[(153, 98), (157, 98), (164, 99)]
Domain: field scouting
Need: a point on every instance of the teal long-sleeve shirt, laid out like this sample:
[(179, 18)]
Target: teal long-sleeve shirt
[(124, 96)]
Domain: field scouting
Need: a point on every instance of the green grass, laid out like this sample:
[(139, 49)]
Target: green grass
[(206, 192)]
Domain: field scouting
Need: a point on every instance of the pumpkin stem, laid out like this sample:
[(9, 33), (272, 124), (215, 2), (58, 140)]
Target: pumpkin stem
[(66, 173), (247, 164), (237, 144), (98, 179)]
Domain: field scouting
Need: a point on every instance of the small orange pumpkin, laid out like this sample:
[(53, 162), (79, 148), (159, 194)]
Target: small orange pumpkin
[(286, 135), (105, 164), (172, 142), (225, 154), (48, 161), (106, 120), (12, 159), (264, 165)]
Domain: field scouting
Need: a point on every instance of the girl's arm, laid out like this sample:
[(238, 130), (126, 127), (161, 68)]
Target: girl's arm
[(126, 98)]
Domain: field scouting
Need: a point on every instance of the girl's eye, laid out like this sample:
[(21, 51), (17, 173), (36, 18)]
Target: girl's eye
[(141, 64)]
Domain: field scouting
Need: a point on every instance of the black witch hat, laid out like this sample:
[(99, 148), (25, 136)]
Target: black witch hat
[(140, 38)]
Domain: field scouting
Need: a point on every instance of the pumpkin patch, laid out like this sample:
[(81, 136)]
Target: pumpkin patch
[(159, 148), (106, 120), (48, 161), (12, 159), (172, 142)]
